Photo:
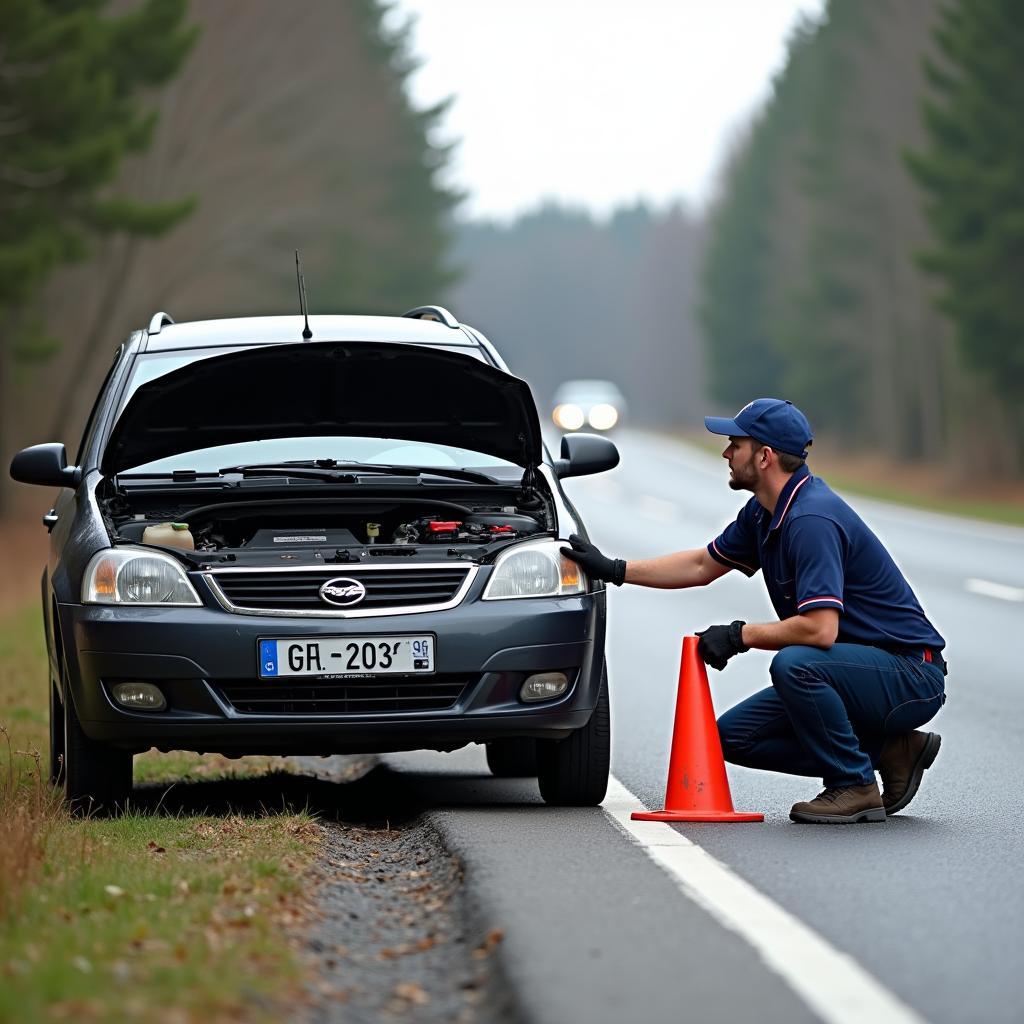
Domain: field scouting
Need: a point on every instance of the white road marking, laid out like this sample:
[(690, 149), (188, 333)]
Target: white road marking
[(830, 982), (658, 509), (990, 589)]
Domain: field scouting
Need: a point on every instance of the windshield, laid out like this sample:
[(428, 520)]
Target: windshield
[(392, 451)]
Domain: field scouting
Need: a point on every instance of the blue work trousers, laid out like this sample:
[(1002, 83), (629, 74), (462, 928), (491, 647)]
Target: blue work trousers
[(828, 712)]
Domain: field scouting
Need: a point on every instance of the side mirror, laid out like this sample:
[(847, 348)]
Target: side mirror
[(46, 465), (583, 454)]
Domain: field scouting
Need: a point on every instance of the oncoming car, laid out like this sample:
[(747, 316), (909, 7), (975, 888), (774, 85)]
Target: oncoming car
[(588, 405), (274, 545)]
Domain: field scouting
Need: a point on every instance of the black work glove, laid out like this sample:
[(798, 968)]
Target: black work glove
[(598, 566), (718, 644)]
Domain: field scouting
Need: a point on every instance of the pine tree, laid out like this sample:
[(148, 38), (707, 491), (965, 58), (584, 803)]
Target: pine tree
[(972, 175), (72, 81), (747, 256), (70, 110)]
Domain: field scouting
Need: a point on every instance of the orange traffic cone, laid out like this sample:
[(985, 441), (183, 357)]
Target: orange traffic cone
[(697, 788)]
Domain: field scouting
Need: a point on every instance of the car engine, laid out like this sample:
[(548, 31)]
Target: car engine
[(318, 531)]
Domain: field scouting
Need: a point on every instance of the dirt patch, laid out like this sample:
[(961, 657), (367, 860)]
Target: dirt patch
[(394, 939)]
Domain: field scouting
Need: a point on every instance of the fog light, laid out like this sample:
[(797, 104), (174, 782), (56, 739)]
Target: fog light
[(140, 696), (544, 686)]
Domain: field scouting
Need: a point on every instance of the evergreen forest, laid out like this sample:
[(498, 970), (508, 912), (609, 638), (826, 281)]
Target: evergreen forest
[(862, 256), (866, 253)]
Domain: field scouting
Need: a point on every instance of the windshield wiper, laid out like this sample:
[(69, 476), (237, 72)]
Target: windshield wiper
[(455, 474), (174, 474), (305, 470), (348, 471)]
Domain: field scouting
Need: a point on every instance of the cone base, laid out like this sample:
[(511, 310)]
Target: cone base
[(696, 816)]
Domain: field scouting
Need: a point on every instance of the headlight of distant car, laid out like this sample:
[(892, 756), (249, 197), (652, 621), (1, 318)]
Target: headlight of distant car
[(534, 569), (568, 416), (136, 576), (603, 416)]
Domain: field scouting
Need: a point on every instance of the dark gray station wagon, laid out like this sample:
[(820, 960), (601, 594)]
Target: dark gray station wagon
[(349, 543)]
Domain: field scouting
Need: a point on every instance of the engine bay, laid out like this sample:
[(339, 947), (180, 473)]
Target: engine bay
[(318, 531)]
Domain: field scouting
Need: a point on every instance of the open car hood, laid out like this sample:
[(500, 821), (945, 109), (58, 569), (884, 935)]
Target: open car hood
[(361, 389)]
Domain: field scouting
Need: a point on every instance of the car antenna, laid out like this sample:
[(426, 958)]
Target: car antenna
[(303, 308)]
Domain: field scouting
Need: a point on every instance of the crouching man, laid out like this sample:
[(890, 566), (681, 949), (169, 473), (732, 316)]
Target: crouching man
[(859, 667)]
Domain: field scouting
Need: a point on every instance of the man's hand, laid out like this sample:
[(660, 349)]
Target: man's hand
[(718, 644), (598, 566)]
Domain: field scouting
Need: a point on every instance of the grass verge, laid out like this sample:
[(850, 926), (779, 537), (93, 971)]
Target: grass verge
[(146, 916)]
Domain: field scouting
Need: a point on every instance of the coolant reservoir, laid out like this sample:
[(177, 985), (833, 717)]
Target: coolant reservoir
[(169, 535)]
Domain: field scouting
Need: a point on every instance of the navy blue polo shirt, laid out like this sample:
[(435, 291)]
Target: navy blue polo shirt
[(816, 552)]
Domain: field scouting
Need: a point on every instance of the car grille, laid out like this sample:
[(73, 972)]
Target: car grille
[(344, 696), (404, 587)]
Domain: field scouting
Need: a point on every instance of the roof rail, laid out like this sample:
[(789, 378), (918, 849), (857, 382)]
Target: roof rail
[(159, 320), (438, 313)]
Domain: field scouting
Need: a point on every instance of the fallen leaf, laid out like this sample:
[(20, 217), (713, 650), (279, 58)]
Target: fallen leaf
[(493, 937), (412, 992)]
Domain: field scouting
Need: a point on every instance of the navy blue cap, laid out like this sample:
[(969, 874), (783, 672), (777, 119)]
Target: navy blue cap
[(778, 424)]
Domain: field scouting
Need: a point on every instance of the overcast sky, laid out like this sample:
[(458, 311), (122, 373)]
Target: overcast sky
[(594, 102)]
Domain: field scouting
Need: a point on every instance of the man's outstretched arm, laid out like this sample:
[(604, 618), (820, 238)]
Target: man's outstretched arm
[(693, 568)]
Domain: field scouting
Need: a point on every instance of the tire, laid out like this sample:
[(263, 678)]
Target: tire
[(56, 737), (97, 777), (574, 772), (514, 758)]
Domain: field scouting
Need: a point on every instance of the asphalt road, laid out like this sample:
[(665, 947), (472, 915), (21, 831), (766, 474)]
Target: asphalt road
[(930, 903)]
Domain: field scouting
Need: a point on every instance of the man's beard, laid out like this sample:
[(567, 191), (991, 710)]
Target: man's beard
[(742, 478)]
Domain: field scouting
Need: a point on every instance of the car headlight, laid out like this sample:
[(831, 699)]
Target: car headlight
[(534, 569), (136, 576), (568, 416), (603, 416)]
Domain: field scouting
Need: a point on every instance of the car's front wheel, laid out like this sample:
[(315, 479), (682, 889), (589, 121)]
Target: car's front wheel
[(514, 758), (97, 777), (574, 772)]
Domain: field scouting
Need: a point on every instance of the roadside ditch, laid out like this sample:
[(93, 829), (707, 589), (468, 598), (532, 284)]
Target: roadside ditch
[(393, 934)]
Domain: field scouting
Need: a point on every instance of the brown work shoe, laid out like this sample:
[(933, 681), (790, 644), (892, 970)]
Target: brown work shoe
[(902, 763), (841, 806)]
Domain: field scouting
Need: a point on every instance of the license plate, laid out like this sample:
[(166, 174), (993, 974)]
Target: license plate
[(346, 656)]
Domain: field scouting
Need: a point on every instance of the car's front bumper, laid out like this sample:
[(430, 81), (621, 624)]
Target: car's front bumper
[(192, 654)]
